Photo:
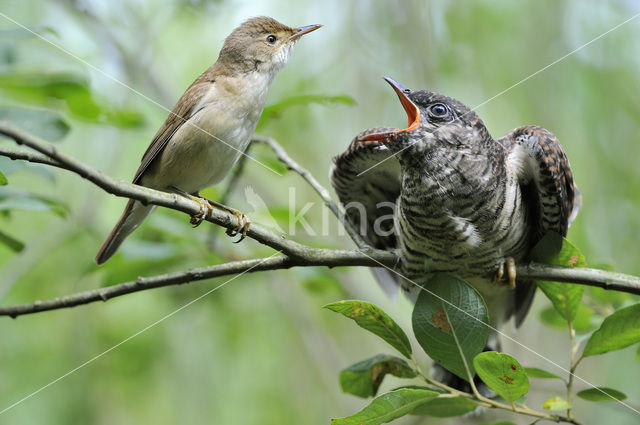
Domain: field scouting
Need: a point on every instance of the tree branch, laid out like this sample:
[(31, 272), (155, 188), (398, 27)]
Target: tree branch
[(294, 254)]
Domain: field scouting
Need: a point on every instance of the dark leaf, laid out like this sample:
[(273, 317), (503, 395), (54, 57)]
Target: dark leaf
[(375, 320), (11, 242), (388, 407), (554, 249), (619, 330), (601, 394), (450, 323), (364, 378), (534, 372), (3, 179), (503, 374)]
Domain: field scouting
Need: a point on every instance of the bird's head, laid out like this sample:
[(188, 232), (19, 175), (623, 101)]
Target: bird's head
[(261, 44), (435, 121)]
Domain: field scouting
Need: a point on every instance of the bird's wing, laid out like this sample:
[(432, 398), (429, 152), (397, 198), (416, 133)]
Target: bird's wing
[(184, 109), (366, 178), (549, 193)]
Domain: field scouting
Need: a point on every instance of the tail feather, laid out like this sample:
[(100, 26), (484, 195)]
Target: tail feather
[(130, 219)]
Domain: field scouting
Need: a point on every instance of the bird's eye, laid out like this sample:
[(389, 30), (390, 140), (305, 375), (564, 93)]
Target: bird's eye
[(271, 39), (438, 110)]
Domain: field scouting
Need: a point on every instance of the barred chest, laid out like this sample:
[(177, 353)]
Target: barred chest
[(459, 214)]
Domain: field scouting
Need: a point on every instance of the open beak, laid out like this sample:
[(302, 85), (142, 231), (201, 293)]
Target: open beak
[(413, 113), (302, 31)]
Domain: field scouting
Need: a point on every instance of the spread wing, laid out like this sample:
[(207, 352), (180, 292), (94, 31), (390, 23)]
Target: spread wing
[(366, 178), (551, 197), (181, 113)]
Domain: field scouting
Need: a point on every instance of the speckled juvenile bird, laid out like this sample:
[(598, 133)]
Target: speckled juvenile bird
[(212, 123), (465, 204)]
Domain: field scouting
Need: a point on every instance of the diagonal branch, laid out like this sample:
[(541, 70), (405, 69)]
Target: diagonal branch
[(294, 254)]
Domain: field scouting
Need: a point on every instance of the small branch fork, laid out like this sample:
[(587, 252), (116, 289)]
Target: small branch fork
[(293, 254)]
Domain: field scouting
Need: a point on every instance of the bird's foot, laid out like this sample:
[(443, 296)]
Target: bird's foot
[(205, 210), (508, 266), (243, 220)]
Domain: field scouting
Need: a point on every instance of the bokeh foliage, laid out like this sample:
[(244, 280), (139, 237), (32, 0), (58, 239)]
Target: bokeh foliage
[(262, 350)]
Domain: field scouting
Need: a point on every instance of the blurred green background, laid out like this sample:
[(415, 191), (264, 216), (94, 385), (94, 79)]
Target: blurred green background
[(261, 350)]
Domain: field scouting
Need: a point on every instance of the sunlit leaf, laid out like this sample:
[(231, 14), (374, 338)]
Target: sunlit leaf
[(388, 406), (534, 372), (445, 407), (619, 330), (3, 179), (364, 378), (556, 403), (601, 394), (71, 90), (581, 322), (450, 323), (11, 242), (554, 249), (375, 320), (46, 124), (503, 374)]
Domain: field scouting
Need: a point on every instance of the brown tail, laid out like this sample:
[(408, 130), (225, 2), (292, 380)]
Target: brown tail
[(130, 219)]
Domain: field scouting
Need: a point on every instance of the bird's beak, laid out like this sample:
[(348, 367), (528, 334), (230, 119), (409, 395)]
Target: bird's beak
[(302, 31), (413, 113)]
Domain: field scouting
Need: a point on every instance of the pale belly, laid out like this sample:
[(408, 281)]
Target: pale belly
[(202, 154)]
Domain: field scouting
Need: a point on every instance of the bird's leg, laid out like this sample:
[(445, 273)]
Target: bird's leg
[(205, 206), (243, 220), (510, 265)]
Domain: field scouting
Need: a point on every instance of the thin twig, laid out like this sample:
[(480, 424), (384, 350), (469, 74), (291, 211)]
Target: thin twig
[(292, 165)]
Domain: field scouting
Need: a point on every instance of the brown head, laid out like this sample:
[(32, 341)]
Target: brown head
[(260, 44)]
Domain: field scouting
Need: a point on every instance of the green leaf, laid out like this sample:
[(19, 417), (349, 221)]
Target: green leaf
[(554, 249), (503, 374), (11, 242), (375, 320), (46, 124), (450, 323), (534, 372), (3, 179), (49, 89), (602, 394), (364, 378), (500, 423), (617, 331), (271, 112), (556, 403), (581, 323), (445, 407), (17, 200), (388, 407)]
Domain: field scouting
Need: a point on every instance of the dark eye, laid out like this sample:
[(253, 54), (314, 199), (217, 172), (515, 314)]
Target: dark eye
[(271, 39), (438, 110)]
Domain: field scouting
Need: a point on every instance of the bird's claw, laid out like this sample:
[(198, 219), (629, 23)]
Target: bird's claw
[(510, 265), (243, 226), (205, 210)]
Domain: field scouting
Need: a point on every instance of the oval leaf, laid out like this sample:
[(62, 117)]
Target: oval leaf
[(534, 372), (617, 331), (445, 407), (554, 249), (375, 320), (364, 378), (450, 323), (602, 394), (388, 407), (556, 403), (503, 374)]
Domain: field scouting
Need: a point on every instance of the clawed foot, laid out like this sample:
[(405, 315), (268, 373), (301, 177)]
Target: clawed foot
[(243, 225), (205, 210), (510, 265)]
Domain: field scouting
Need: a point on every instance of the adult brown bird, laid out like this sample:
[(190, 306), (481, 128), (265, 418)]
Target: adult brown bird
[(212, 123)]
